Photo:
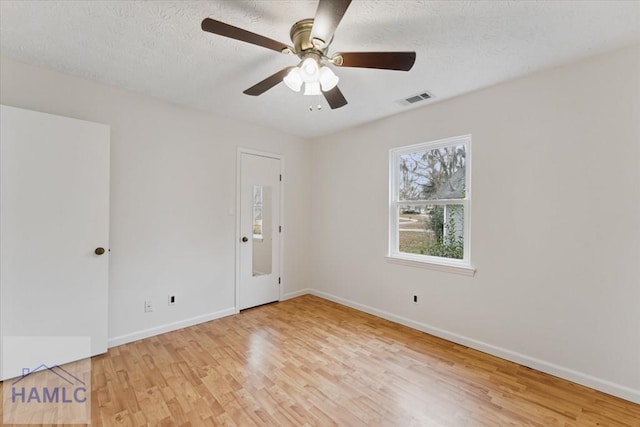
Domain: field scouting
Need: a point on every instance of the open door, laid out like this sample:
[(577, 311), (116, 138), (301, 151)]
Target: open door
[(54, 239)]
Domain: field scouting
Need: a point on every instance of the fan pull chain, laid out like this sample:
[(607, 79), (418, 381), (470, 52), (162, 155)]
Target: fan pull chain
[(318, 108)]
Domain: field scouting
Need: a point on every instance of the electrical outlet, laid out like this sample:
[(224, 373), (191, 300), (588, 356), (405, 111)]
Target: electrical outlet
[(415, 299), (148, 306), (172, 300)]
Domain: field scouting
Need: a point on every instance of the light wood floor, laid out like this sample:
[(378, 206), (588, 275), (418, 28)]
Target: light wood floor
[(308, 361)]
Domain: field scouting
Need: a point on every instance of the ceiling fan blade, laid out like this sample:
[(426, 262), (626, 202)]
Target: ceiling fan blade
[(268, 83), (335, 98), (328, 16), (226, 30), (401, 61)]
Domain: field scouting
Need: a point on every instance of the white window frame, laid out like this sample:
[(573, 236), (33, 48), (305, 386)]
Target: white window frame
[(462, 266)]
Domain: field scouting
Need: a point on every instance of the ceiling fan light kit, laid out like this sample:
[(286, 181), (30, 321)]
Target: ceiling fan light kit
[(314, 79), (311, 40)]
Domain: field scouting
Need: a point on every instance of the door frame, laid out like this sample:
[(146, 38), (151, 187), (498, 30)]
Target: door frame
[(280, 157)]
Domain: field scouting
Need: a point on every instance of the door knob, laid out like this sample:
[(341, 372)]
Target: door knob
[(244, 239), (99, 251)]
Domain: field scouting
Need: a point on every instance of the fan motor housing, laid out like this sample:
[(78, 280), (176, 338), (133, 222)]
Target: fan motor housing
[(301, 37)]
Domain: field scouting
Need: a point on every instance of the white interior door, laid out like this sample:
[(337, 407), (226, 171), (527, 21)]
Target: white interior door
[(54, 215), (259, 281)]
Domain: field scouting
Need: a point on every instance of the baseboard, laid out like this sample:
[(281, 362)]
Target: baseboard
[(604, 386), (295, 294), (146, 333)]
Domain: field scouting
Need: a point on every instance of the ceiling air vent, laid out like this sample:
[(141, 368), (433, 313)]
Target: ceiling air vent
[(413, 99)]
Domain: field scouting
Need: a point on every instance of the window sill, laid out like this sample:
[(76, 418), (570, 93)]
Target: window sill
[(464, 270)]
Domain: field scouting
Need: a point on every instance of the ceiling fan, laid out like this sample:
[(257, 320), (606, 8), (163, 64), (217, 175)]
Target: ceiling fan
[(311, 39)]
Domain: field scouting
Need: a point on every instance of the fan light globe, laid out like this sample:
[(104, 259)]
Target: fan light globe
[(309, 70), (312, 88), (328, 80), (293, 80)]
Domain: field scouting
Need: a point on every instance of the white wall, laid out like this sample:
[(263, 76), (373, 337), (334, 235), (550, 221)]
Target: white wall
[(555, 222), (172, 185)]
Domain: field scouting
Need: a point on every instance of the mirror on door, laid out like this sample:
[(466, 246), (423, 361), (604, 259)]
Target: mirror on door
[(262, 230)]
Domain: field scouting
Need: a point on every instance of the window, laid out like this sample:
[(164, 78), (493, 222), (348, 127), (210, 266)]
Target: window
[(430, 189)]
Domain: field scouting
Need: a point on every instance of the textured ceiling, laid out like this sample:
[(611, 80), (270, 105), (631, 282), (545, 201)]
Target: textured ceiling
[(158, 48)]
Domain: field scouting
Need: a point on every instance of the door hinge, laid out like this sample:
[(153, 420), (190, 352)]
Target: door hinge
[(280, 177), (279, 229), (278, 280)]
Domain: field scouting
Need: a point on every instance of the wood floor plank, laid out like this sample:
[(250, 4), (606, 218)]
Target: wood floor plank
[(311, 362)]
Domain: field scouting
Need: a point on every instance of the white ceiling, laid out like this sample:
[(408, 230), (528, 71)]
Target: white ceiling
[(158, 48)]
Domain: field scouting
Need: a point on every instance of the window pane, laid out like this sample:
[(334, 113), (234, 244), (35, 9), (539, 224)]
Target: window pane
[(433, 174), (434, 230)]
